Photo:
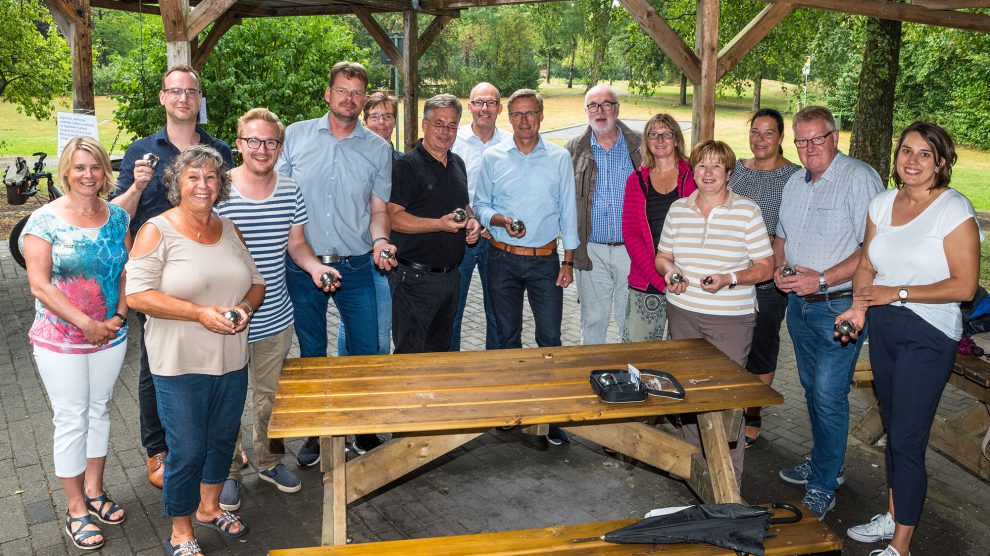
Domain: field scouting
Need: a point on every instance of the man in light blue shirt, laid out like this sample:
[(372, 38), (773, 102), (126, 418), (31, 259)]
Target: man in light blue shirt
[(345, 174), (472, 140)]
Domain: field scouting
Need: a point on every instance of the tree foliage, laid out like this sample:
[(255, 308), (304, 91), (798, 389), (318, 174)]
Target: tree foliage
[(35, 64)]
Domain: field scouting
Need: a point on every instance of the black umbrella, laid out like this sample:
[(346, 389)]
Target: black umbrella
[(732, 526)]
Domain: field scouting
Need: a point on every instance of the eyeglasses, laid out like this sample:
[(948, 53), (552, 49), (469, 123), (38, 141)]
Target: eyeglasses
[(523, 115), (177, 92), (348, 93), (254, 143), (661, 135), (386, 117), (607, 106), (484, 103), (816, 140), (440, 128)]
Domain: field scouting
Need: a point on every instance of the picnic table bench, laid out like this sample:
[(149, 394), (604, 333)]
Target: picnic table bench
[(437, 402)]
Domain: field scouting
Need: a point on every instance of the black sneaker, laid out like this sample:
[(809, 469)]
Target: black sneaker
[(557, 436), (309, 454), (365, 443)]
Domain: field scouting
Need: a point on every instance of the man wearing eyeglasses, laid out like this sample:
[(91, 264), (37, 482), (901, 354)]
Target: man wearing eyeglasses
[(525, 198), (428, 184), (604, 158), (472, 140), (142, 193), (819, 233), (344, 172)]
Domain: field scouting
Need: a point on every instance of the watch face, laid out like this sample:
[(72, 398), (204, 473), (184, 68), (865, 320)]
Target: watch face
[(902, 294), (823, 287)]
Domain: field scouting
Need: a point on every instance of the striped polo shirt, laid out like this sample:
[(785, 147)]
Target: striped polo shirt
[(733, 235), (265, 225)]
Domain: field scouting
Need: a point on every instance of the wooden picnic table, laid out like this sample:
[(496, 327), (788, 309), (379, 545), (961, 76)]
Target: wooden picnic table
[(437, 402)]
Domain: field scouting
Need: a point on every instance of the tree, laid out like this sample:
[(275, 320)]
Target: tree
[(487, 53), (874, 121), (35, 64), (548, 20), (599, 15)]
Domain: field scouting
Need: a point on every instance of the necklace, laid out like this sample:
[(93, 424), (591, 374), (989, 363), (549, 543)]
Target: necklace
[(202, 229)]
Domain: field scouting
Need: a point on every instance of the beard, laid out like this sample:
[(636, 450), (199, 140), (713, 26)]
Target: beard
[(349, 118)]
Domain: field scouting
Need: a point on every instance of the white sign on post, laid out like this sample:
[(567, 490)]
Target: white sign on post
[(72, 125)]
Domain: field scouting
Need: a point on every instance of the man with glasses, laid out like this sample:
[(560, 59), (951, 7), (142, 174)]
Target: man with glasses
[(604, 157), (472, 140), (525, 198), (819, 233), (345, 174), (428, 185), (142, 193)]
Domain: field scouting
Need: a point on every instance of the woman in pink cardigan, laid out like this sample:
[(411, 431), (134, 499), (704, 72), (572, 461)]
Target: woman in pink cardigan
[(650, 190)]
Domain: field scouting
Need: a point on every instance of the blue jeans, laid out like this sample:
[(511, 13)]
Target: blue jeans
[(513, 276), (825, 367), (384, 299), (476, 254), (355, 301), (201, 415)]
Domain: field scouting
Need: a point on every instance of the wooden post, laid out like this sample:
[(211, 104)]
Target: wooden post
[(410, 78), (703, 121), (75, 23), (175, 14)]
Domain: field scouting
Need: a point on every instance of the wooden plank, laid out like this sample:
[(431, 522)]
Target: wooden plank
[(123, 6), (410, 78), (960, 445), (750, 36), (204, 14), (900, 12), (708, 13), (975, 369), (334, 490), (398, 457), (64, 7), (951, 4), (432, 32), (203, 49), (378, 33), (643, 443), (808, 536), (666, 38), (716, 447), (174, 13)]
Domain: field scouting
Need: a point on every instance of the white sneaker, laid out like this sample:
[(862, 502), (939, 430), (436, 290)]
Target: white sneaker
[(889, 551), (880, 528)]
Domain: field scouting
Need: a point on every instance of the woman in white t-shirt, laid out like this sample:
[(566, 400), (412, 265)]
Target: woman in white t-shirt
[(920, 259)]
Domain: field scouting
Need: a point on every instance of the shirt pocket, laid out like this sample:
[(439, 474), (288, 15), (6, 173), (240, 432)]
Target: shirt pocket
[(830, 222)]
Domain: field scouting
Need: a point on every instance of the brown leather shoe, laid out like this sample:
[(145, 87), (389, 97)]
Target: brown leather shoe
[(156, 469)]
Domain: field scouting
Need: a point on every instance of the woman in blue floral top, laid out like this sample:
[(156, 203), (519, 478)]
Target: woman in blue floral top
[(75, 248)]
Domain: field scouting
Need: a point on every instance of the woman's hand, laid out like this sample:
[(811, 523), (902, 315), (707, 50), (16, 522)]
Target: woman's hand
[(676, 287), (869, 296), (855, 315), (212, 319), (715, 282), (99, 333)]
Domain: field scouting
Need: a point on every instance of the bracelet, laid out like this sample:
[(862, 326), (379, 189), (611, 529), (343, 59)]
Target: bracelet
[(123, 319), (567, 263), (377, 239), (250, 308)]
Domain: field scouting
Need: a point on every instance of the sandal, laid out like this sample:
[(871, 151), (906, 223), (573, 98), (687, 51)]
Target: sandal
[(187, 548), (223, 523), (79, 536), (753, 421), (96, 505)]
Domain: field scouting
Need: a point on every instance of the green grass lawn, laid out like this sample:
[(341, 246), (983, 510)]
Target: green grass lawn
[(24, 135)]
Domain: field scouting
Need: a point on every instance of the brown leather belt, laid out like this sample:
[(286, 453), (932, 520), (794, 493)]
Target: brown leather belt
[(548, 249), (817, 297)]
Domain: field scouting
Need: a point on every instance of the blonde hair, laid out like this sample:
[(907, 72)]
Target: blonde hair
[(667, 121), (264, 115), (94, 148)]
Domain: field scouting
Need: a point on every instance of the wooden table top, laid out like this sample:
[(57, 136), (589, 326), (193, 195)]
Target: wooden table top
[(332, 396)]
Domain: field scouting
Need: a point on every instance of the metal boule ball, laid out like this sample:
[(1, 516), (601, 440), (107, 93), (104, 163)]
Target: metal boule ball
[(460, 215), (233, 316), (787, 271), (517, 226), (151, 159), (607, 379), (386, 255), (845, 328), (328, 279), (676, 278), (707, 280)]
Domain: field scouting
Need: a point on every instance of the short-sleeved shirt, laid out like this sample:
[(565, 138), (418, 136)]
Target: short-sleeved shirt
[(614, 167), (154, 199), (265, 225), (337, 179), (469, 147), (913, 254), (86, 266), (217, 274), (727, 241), (428, 189), (824, 222)]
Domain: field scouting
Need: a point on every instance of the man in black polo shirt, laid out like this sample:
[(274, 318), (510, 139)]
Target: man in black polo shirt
[(428, 184)]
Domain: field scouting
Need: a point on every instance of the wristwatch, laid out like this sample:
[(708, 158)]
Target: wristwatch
[(732, 280), (822, 284), (902, 295)]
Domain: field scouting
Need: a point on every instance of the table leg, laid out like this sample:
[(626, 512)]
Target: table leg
[(720, 467), (334, 490)]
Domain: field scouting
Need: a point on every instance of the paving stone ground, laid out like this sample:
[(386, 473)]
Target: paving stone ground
[(492, 484)]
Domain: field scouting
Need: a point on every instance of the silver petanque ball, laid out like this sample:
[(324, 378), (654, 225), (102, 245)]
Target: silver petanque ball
[(460, 215), (151, 159), (328, 279), (676, 278), (707, 280), (233, 316), (386, 255), (607, 379), (787, 271), (517, 226), (845, 328)]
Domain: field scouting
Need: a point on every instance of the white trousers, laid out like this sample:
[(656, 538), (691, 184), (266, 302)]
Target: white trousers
[(602, 291), (80, 387)]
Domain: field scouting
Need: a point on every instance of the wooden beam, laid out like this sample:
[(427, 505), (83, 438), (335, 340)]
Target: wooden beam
[(723, 476), (334, 490), (65, 9), (174, 14), (951, 4), (410, 78), (666, 38), (378, 33), (643, 443), (703, 121), (204, 14), (750, 36), (900, 12), (433, 31), (116, 5), (430, 5), (202, 51)]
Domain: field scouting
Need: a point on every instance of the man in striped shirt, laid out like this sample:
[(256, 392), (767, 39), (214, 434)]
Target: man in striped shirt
[(269, 210)]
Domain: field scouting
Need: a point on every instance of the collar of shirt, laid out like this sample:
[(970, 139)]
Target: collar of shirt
[(466, 133), (359, 131), (540, 145), (730, 201), (834, 167), (619, 146)]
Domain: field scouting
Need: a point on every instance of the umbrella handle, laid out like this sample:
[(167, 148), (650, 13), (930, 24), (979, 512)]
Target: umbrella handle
[(789, 519)]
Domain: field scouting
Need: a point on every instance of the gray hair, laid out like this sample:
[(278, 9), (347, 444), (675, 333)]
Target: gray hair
[(197, 156), (526, 93), (813, 113), (443, 100)]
